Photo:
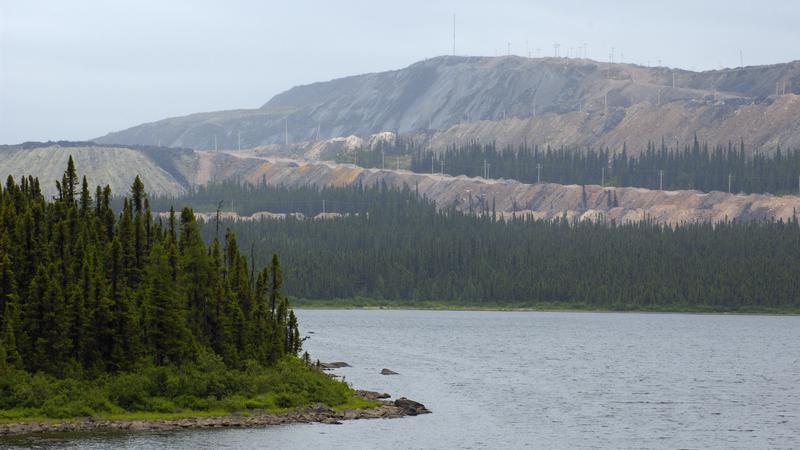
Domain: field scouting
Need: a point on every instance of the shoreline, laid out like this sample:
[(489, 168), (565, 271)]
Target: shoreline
[(471, 308), (401, 407)]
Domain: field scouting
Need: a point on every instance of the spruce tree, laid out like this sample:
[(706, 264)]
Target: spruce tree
[(167, 336), (86, 291), (8, 337)]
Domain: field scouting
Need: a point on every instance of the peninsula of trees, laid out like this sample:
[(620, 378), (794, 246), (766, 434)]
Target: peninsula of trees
[(106, 313)]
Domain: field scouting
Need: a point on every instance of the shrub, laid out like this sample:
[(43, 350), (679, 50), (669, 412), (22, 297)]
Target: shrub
[(205, 386), (129, 391)]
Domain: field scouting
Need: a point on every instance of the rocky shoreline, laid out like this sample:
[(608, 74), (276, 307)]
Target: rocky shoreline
[(322, 414)]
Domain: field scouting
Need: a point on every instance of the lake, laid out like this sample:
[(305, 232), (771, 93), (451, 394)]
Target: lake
[(540, 380)]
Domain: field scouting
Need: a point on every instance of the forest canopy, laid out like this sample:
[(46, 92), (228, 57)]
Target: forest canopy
[(665, 165), (112, 312), (392, 247)]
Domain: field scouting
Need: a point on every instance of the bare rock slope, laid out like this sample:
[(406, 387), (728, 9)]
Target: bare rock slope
[(163, 172), (510, 99), (544, 200), (172, 172)]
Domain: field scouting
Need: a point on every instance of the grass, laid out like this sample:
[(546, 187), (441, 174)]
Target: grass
[(21, 415), (143, 415), (204, 389), (17, 416)]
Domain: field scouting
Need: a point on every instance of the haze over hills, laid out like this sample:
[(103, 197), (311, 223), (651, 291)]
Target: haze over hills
[(557, 101)]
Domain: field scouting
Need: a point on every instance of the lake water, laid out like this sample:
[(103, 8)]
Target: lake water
[(541, 380)]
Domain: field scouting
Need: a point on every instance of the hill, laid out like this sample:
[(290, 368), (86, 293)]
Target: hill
[(165, 171), (173, 172), (511, 99)]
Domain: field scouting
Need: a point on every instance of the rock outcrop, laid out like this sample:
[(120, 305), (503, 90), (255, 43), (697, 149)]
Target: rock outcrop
[(411, 407), (373, 395)]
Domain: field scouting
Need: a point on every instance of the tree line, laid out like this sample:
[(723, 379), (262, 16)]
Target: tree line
[(692, 166), (247, 199), (85, 290), (406, 250)]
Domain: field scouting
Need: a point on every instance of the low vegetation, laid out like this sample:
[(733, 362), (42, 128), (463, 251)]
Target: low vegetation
[(206, 387)]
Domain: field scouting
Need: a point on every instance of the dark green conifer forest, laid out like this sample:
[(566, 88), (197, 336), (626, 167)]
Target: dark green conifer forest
[(663, 165), (392, 247), (101, 298)]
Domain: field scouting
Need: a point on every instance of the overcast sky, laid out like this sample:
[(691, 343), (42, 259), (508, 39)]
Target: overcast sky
[(78, 69)]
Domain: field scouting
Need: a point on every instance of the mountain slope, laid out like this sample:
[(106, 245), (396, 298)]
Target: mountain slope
[(551, 97)]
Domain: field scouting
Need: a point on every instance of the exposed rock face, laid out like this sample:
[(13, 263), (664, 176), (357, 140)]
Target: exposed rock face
[(543, 201), (165, 172), (556, 100), (762, 126), (325, 149), (175, 171)]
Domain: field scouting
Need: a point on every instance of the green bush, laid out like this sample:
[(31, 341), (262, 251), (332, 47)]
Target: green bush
[(204, 386), (161, 404), (129, 391)]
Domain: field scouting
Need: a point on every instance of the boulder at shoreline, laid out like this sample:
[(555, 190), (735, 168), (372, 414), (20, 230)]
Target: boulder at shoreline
[(334, 365), (372, 395)]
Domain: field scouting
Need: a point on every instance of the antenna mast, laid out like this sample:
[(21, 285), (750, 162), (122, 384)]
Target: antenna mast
[(454, 34)]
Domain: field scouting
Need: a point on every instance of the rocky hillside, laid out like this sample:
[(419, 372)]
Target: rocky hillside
[(510, 99), (544, 200), (172, 171), (164, 171)]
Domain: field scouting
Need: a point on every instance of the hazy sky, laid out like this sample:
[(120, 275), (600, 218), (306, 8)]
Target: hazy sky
[(78, 69)]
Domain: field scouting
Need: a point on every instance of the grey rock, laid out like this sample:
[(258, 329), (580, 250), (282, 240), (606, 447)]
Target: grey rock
[(334, 365), (411, 407), (372, 395)]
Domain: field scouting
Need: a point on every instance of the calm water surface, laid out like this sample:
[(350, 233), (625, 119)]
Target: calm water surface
[(541, 380)]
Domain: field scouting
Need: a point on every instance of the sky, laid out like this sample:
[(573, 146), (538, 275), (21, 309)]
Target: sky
[(78, 69)]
